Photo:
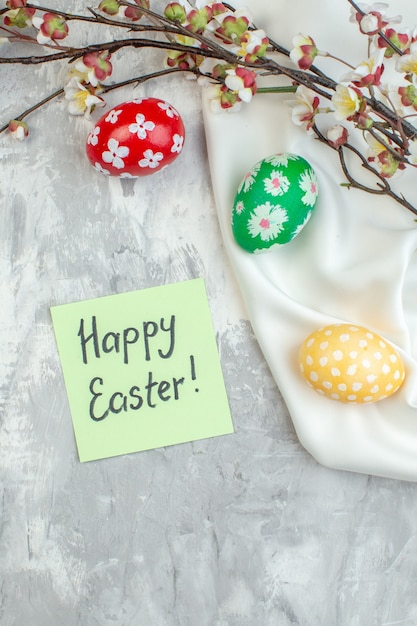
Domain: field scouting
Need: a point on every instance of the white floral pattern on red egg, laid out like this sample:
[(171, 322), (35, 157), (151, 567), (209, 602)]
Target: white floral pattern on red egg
[(141, 126), (136, 138), (115, 154)]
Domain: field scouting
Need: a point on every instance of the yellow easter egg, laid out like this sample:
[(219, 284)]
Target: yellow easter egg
[(350, 364)]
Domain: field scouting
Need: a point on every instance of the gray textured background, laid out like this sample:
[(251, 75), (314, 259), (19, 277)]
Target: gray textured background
[(241, 530)]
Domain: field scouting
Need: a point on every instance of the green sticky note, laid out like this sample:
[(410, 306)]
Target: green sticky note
[(141, 370)]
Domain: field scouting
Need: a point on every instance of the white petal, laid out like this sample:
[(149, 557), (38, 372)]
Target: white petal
[(246, 94), (233, 82)]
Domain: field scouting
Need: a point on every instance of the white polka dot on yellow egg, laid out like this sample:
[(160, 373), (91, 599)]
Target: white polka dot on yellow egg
[(350, 364)]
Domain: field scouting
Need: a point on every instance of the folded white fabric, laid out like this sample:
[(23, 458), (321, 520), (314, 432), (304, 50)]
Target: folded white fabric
[(354, 261)]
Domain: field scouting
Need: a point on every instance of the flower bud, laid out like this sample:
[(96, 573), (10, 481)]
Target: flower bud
[(19, 18), (110, 7), (219, 71), (16, 4), (408, 96), (337, 135), (136, 14), (400, 40), (175, 12), (52, 27), (218, 8), (371, 23), (228, 99), (99, 65), (304, 51), (198, 19), (18, 129), (233, 28)]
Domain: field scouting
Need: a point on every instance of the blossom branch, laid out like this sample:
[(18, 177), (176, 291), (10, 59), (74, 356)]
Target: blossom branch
[(72, 54), (379, 31), (383, 186), (38, 105), (137, 80), (221, 45)]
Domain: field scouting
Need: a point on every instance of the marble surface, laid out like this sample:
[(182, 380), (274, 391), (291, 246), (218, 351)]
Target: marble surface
[(241, 530)]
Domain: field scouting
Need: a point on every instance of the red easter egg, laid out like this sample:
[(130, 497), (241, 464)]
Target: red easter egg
[(136, 138)]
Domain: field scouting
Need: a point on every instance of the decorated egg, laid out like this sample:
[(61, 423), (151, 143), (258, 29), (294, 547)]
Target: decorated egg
[(274, 202), (351, 364), (136, 138)]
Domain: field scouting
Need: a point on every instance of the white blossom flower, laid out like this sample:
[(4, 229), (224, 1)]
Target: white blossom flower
[(373, 17), (220, 104), (213, 96), (368, 72), (382, 157), (346, 101), (304, 107), (80, 100), (407, 63), (85, 73), (255, 41), (241, 81), (375, 147)]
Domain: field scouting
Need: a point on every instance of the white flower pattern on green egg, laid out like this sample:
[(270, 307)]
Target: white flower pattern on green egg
[(276, 184), (274, 202), (249, 178), (240, 207), (280, 159), (267, 221), (308, 183)]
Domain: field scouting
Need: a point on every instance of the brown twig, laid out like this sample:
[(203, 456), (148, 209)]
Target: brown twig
[(137, 80), (383, 186), (38, 105), (380, 32)]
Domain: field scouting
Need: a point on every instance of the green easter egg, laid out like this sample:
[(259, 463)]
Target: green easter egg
[(274, 202)]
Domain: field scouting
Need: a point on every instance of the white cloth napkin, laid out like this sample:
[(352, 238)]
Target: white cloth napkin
[(354, 262)]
